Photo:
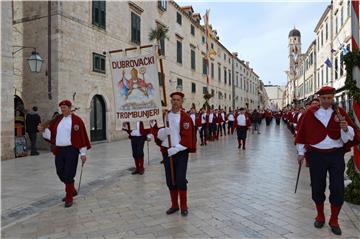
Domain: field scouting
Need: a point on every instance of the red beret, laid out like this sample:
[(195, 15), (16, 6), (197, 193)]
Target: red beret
[(65, 102), (326, 90), (177, 93)]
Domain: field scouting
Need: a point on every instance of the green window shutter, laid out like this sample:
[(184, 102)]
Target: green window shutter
[(139, 29), (103, 14)]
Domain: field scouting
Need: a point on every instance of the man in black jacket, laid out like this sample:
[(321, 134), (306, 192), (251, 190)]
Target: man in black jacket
[(32, 121)]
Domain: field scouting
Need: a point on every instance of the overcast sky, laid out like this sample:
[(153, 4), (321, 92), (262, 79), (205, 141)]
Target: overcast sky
[(258, 31)]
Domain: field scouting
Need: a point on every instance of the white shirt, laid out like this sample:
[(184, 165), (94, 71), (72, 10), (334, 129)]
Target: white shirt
[(203, 118), (211, 117), (136, 132), (231, 117), (193, 118), (324, 115), (174, 126), (63, 134), (223, 116), (241, 120), (298, 118)]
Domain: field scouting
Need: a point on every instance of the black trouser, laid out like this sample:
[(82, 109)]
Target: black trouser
[(137, 145), (278, 121), (213, 129), (32, 137), (268, 121), (180, 161), (230, 127), (241, 132), (224, 127), (203, 133), (319, 164), (66, 162)]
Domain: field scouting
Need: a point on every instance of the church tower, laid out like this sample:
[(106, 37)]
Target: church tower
[(294, 49)]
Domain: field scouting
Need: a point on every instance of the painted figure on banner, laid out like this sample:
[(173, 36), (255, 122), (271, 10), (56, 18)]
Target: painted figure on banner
[(127, 87)]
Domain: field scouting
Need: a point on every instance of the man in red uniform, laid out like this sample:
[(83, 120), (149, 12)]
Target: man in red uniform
[(67, 134), (212, 125), (278, 117), (325, 134), (204, 128), (137, 136), (217, 121), (182, 142), (242, 124), (268, 117), (231, 119)]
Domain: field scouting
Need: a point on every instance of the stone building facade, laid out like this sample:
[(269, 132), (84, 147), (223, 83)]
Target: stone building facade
[(323, 64), (72, 36), (7, 79)]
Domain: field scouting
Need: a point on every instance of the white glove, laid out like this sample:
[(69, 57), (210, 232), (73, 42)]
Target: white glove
[(217, 123), (163, 133), (172, 151), (148, 138), (199, 128)]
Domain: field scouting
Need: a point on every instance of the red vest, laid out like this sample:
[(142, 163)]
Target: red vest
[(143, 132), (247, 120), (79, 137), (187, 133), (312, 131)]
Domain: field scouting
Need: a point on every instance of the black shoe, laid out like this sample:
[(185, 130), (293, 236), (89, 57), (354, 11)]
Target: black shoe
[(34, 153), (135, 172), (318, 224), (172, 210), (336, 230), (75, 194), (141, 172), (68, 204), (184, 213)]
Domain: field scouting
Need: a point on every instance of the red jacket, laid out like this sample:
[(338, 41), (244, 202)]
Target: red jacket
[(312, 131), (143, 132), (198, 121), (79, 137), (268, 114), (247, 119), (187, 134)]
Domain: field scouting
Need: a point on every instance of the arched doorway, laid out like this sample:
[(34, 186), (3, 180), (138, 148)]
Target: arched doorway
[(19, 111), (97, 119)]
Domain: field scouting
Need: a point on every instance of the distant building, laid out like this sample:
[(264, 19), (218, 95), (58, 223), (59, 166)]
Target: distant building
[(275, 94)]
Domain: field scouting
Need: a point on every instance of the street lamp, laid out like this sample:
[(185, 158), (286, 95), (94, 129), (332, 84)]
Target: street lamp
[(35, 61)]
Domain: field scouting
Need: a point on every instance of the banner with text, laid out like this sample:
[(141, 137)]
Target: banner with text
[(136, 88)]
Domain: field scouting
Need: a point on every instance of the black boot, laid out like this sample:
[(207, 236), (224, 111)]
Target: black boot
[(172, 210), (318, 224), (336, 230)]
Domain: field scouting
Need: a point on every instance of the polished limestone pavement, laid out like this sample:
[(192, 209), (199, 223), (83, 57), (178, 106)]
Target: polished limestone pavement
[(232, 194)]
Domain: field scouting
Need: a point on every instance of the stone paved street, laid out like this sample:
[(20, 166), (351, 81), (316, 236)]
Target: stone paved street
[(232, 194)]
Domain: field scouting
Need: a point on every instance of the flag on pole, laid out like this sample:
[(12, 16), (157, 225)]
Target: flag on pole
[(345, 50), (355, 46), (207, 37), (328, 63)]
